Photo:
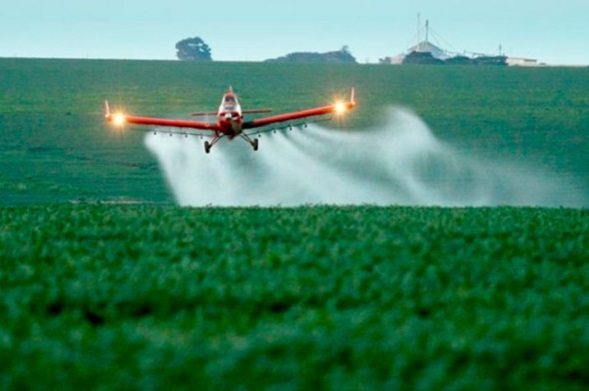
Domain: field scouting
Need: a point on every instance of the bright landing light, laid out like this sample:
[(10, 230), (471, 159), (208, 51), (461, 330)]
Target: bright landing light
[(340, 107), (118, 119)]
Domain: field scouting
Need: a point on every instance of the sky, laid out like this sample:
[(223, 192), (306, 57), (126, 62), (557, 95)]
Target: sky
[(552, 32)]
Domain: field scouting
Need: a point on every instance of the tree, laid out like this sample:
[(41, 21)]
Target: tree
[(194, 49), (338, 56)]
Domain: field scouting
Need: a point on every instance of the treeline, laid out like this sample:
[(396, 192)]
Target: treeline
[(428, 58), (339, 56)]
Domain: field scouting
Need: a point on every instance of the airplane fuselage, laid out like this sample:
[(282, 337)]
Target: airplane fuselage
[(231, 123), (229, 116)]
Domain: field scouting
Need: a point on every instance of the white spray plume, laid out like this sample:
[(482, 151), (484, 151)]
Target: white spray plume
[(400, 162)]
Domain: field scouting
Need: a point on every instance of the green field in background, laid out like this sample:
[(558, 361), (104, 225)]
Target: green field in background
[(55, 146)]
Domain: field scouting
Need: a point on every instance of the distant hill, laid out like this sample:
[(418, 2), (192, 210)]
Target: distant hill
[(339, 56)]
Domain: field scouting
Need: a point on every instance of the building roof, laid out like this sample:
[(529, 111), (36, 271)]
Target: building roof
[(426, 46)]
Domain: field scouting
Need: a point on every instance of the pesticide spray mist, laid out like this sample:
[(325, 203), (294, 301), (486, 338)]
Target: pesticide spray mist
[(400, 162)]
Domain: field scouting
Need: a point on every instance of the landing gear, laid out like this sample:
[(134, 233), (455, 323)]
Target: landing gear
[(253, 143), (208, 145)]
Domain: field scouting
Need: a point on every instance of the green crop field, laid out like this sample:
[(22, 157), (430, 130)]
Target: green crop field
[(152, 297), (55, 146), (99, 293)]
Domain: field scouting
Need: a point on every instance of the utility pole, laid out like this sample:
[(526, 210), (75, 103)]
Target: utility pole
[(427, 31), (418, 32)]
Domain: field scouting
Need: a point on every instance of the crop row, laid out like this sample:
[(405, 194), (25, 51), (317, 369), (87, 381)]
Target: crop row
[(329, 297)]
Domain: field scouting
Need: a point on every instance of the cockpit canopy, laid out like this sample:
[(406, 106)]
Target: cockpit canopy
[(229, 103)]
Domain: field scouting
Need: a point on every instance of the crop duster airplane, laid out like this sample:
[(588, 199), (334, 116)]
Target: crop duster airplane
[(230, 122)]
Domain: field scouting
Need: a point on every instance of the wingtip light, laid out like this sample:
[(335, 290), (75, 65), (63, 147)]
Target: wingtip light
[(340, 107), (119, 119)]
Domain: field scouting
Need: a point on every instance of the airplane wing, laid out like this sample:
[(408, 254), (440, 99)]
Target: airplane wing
[(121, 119), (336, 108)]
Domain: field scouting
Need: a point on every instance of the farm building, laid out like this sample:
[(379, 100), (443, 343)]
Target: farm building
[(522, 62), (426, 52)]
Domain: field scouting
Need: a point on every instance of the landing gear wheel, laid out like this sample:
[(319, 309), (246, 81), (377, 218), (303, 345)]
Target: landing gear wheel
[(207, 147), (255, 144)]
